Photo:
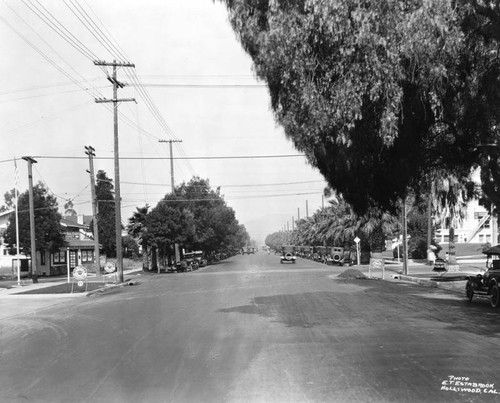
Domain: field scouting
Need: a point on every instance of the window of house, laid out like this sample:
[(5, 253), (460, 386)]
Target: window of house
[(481, 238), (42, 258), (59, 257), (87, 256)]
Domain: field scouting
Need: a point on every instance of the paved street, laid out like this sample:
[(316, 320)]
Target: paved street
[(251, 329)]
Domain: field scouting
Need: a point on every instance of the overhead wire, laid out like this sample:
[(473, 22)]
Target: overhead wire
[(79, 83), (46, 16), (25, 126), (112, 46), (114, 49)]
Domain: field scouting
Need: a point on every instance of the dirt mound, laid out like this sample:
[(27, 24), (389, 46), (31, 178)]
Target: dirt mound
[(352, 273)]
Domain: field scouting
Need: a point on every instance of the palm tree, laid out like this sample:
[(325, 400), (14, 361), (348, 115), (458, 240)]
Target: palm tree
[(138, 230)]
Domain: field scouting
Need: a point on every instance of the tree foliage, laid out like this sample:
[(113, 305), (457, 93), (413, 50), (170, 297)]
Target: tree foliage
[(49, 235), (378, 94), (196, 217), (106, 215), (338, 225)]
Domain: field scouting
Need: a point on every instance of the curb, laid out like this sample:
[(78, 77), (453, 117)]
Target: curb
[(417, 280), (456, 286), (110, 287)]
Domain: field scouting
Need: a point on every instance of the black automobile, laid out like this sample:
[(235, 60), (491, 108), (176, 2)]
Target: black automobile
[(288, 254), (487, 284)]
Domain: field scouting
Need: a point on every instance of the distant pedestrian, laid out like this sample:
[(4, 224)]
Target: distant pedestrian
[(431, 256)]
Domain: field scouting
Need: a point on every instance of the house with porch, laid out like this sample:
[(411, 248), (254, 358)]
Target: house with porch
[(79, 250)]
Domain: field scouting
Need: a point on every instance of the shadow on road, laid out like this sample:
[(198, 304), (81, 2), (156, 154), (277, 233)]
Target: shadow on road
[(369, 301)]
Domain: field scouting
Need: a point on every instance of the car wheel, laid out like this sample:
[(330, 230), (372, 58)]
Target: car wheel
[(495, 296), (469, 292)]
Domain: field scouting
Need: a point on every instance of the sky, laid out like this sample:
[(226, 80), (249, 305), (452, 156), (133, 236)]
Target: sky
[(192, 82)]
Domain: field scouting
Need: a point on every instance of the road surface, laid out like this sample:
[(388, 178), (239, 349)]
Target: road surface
[(253, 330)]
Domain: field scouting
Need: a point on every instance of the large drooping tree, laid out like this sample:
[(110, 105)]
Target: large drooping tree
[(377, 94)]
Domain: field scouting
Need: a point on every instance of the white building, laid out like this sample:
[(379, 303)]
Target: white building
[(477, 227), (7, 264)]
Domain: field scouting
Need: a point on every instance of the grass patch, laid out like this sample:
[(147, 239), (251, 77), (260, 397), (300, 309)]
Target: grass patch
[(65, 289)]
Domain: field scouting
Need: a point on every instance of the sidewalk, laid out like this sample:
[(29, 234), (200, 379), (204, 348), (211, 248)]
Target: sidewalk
[(421, 273), (13, 303), (11, 287)]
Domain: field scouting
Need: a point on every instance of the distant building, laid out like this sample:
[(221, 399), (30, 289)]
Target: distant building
[(478, 226)]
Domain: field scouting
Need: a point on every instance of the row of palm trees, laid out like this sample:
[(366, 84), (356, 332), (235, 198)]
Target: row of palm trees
[(338, 225)]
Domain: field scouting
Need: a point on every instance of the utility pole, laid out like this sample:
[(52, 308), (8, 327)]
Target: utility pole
[(172, 183), (405, 240), (429, 222), (115, 101), (307, 208), (90, 151), (34, 273)]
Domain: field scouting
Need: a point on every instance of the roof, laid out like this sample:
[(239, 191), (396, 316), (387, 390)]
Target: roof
[(69, 223), (80, 243), (7, 212), (494, 250)]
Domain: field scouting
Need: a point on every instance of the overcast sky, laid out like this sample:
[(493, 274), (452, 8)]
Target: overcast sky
[(197, 86)]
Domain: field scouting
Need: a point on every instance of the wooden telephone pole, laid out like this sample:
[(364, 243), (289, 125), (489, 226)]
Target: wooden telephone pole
[(172, 183), (90, 151), (115, 101), (34, 272)]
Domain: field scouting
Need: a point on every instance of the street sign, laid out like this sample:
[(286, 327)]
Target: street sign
[(80, 273), (109, 267), (357, 240)]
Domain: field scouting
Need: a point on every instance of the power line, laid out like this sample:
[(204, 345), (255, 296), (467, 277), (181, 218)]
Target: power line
[(53, 23), (229, 186), (115, 50), (221, 157), (204, 85)]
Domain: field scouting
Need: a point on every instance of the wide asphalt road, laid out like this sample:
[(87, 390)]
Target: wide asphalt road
[(252, 330)]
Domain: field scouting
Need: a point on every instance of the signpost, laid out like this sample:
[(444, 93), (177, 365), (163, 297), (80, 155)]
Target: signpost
[(80, 275), (110, 269), (357, 240)]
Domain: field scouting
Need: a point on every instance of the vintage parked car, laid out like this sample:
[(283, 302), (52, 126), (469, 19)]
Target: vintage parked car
[(200, 259), (487, 284), (288, 254), (188, 262)]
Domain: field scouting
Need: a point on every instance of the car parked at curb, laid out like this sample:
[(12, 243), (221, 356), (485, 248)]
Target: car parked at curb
[(486, 284)]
